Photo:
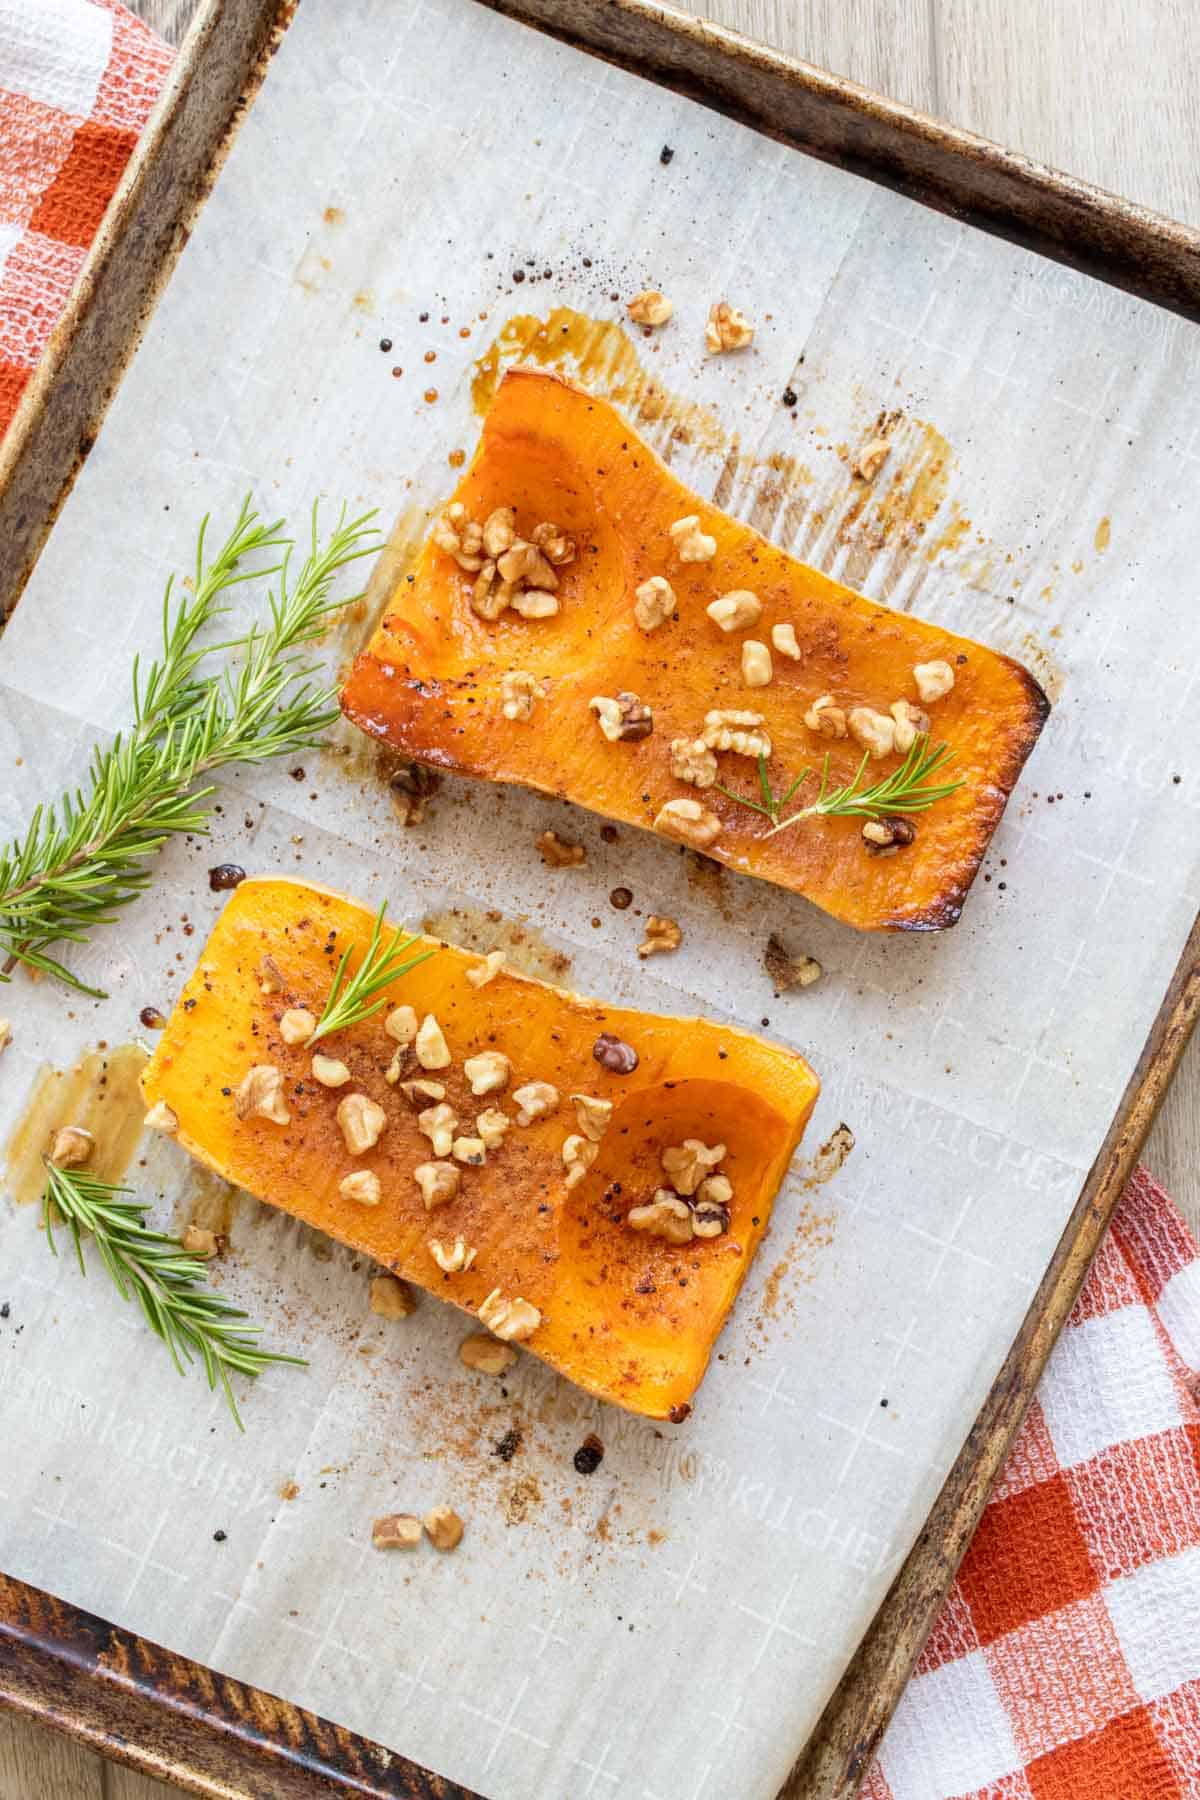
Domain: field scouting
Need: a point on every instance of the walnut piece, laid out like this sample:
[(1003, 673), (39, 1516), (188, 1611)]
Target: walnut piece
[(692, 761), (555, 544), (438, 1182), (623, 720), (161, 1118), (710, 1212), (884, 837), (362, 1186), (666, 1216), (430, 1045), (362, 1121), (734, 728), (396, 1531), (536, 1100), (871, 458), (488, 1072), (259, 1095), (198, 1241), (438, 1124), (491, 1126), (688, 1163), (578, 1154), (875, 731), (649, 307), (788, 971), (510, 1320), (443, 1528), (420, 1094), (451, 1259), (329, 1071), (270, 976), (687, 822), (614, 1054), (757, 668), (692, 544), (594, 1116), (401, 1024), (391, 1298), (727, 328), (934, 680), (518, 691), (911, 723), (783, 639), (488, 597), (557, 853), (653, 602), (469, 1150), (535, 603), (486, 1354), (662, 934), (826, 718), (736, 610), (296, 1024), (524, 562), (487, 970), (499, 531)]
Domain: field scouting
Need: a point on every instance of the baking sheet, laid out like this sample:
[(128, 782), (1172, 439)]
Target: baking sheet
[(1044, 448)]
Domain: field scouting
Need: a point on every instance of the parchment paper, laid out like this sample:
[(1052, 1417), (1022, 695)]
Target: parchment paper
[(669, 1627)]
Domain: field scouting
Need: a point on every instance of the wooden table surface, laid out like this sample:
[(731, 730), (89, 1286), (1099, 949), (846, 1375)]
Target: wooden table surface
[(1041, 78)]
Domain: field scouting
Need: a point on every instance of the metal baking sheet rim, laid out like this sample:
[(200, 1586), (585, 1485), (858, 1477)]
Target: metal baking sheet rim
[(163, 1713)]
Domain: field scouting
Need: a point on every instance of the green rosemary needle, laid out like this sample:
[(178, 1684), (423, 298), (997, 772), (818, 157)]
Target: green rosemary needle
[(351, 998), (168, 1282), (907, 789)]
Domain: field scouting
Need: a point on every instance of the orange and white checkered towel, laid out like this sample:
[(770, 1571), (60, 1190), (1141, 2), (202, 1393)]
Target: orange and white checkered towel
[(1066, 1662)]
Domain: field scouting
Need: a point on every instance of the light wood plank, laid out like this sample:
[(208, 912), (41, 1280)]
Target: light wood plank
[(36, 1764)]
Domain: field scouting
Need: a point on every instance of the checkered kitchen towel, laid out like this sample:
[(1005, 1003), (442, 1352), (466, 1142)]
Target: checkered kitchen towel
[(1066, 1663)]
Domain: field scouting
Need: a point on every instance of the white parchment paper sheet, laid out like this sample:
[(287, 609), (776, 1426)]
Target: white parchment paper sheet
[(670, 1627)]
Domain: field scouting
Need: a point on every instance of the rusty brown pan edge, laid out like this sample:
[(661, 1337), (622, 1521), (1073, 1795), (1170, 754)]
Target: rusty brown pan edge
[(997, 190), (178, 1721), (838, 1754)]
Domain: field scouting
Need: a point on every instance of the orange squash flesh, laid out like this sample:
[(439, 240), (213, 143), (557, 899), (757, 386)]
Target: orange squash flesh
[(429, 683), (627, 1316)]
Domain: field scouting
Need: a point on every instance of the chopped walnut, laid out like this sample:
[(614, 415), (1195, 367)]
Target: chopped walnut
[(487, 970), (911, 723), (714, 1190), (469, 1150), (757, 669), (296, 1025), (536, 1100), (430, 1045), (623, 720), (363, 1186), (259, 1095), (491, 1126), (438, 1182), (653, 602), (594, 1116), (401, 1024), (736, 610), (396, 1531), (662, 934), (420, 1094), (488, 1072), (451, 1259), (391, 1298), (614, 1054), (362, 1121), (518, 691), (692, 544), (578, 1154), (509, 1320), (688, 1163), (443, 1528), (826, 718), (524, 562), (556, 545), (692, 761), (733, 728), (875, 731), (447, 528), (535, 603), (688, 823), (788, 971), (409, 787), (270, 976), (499, 531), (727, 328), (883, 837), (783, 639), (871, 458), (934, 680), (649, 307), (402, 1064), (198, 1241), (710, 1211), (666, 1216), (438, 1123), (486, 1354), (490, 598), (329, 1071), (557, 853), (161, 1117)]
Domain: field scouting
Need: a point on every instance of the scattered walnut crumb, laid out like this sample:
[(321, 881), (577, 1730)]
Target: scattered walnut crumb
[(710, 1209), (757, 668), (363, 1187), (430, 1045), (884, 837), (469, 1150), (687, 822), (420, 1094), (396, 1531), (826, 718), (491, 1126), (259, 1095), (486, 1354), (499, 531), (161, 1118), (595, 1116), (666, 1216), (688, 1163), (653, 602), (438, 1124), (362, 1121), (296, 1024), (578, 1154), (270, 976), (736, 729), (788, 971), (692, 544), (451, 1259), (330, 1071), (198, 1241), (401, 1024), (518, 691), (557, 853), (727, 328), (391, 1298), (871, 458), (624, 720), (444, 1528), (486, 970), (536, 1100), (736, 610), (510, 1320), (662, 934), (555, 544), (875, 731), (783, 639), (649, 307), (488, 1072), (535, 603), (692, 761), (934, 680), (438, 1182), (911, 723)]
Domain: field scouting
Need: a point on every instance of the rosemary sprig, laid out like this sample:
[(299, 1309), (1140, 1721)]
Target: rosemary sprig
[(83, 857), (168, 1282), (351, 998), (907, 789)]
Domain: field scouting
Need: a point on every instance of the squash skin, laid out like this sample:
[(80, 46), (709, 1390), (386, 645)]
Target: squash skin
[(429, 682), (567, 1251)]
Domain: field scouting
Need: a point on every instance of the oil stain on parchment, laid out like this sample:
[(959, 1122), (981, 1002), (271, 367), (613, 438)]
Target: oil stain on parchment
[(101, 1093), (480, 930)]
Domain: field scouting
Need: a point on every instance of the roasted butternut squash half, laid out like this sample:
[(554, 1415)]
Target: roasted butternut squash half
[(579, 622), (595, 1179)]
